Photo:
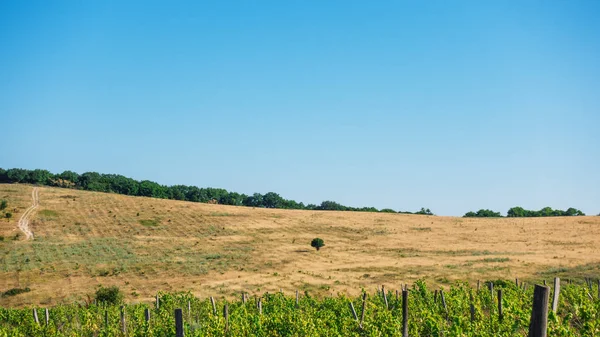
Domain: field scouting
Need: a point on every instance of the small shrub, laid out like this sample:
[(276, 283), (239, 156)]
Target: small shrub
[(109, 295), (3, 205), (500, 283), (103, 272), (317, 243), (8, 215)]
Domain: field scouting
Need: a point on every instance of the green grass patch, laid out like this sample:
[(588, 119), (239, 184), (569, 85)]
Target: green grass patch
[(149, 222), (15, 291), (221, 214), (48, 213), (496, 259), (422, 229)]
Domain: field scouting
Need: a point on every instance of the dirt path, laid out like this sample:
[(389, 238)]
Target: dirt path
[(24, 221)]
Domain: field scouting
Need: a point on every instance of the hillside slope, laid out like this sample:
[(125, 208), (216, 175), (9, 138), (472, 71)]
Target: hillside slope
[(144, 245)]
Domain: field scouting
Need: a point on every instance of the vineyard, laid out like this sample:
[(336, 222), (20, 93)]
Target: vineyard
[(491, 309)]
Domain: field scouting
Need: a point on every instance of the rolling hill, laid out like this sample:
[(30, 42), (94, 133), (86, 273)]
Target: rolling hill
[(144, 245)]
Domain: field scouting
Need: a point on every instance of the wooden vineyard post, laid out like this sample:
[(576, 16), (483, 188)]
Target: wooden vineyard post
[(364, 306), (387, 306), (226, 316), (491, 290), (555, 294), (214, 307), (106, 318), (435, 294), (599, 288), (471, 307), (178, 323), (123, 323), (500, 314), (444, 302), (405, 313), (588, 282), (478, 285), (297, 298), (260, 306), (539, 314), (397, 295), (47, 316), (353, 312), (35, 316), (517, 282), (147, 315), (157, 302)]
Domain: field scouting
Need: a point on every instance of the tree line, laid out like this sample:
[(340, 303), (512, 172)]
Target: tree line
[(520, 212), (115, 183)]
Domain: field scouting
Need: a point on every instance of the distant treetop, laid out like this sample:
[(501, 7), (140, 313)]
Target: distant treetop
[(520, 212)]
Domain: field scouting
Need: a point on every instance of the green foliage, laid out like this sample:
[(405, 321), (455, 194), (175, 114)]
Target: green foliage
[(387, 210), (272, 200), (578, 315), (8, 215), (17, 175), (546, 211), (424, 211), (40, 177), (3, 205), (3, 176), (149, 222), (69, 176), (109, 295), (317, 243), (483, 213)]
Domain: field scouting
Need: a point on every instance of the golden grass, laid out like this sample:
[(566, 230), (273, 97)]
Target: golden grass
[(144, 245)]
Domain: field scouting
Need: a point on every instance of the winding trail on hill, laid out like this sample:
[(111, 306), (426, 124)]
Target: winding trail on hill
[(24, 221)]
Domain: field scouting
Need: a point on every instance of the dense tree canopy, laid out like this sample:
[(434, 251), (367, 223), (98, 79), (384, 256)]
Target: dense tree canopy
[(546, 211), (483, 213), (520, 212), (114, 183)]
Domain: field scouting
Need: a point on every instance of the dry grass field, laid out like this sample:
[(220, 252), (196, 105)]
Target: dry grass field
[(143, 245)]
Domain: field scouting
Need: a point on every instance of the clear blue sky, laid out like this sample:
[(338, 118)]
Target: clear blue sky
[(450, 105)]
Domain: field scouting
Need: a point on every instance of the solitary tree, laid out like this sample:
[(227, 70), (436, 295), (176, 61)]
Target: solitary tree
[(317, 243), (3, 205)]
